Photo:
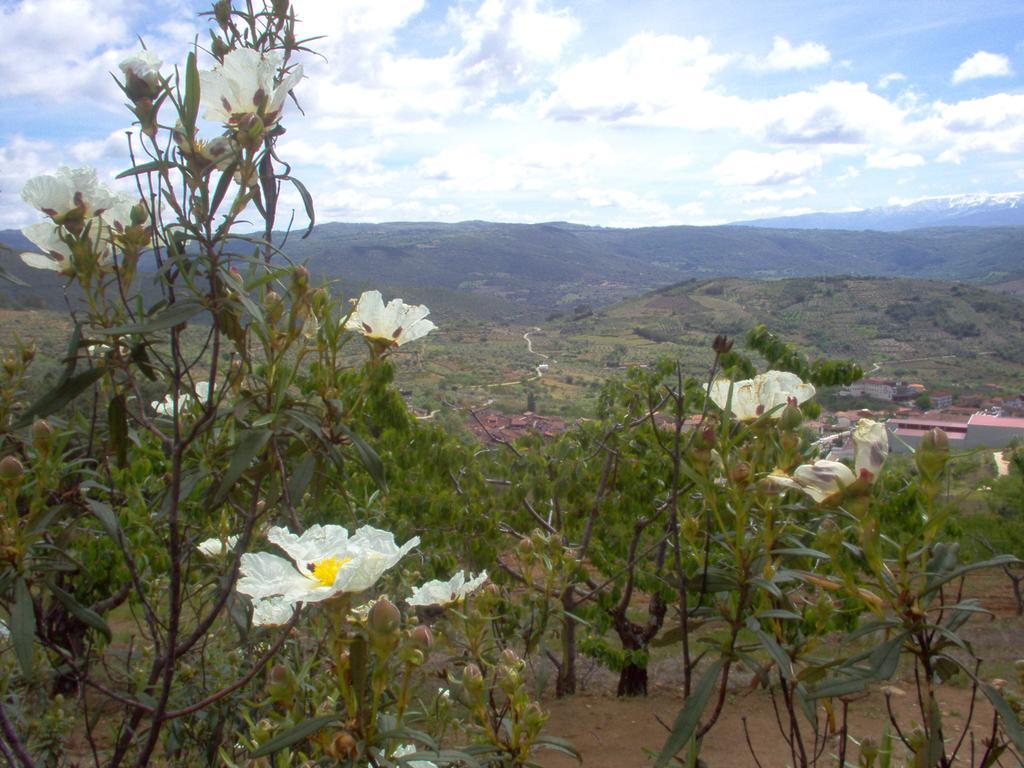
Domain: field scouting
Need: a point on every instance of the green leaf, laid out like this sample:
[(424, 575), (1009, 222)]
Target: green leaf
[(57, 398), (689, 716), (85, 615), (250, 444), (222, 187), (307, 202), (190, 107), (778, 613), (802, 552), (107, 518), (886, 657), (943, 577), (771, 645), (168, 317), (559, 745), (137, 170), (117, 424), (23, 626), (840, 686), (301, 478), (367, 456), (295, 734)]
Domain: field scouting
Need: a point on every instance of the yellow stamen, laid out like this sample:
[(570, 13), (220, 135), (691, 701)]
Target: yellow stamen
[(326, 571)]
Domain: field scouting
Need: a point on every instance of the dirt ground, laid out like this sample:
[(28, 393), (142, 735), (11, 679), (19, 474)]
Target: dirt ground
[(614, 733)]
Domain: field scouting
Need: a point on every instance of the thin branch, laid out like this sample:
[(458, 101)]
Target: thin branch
[(11, 737)]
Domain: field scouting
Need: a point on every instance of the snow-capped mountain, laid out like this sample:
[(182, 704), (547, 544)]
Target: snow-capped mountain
[(972, 210)]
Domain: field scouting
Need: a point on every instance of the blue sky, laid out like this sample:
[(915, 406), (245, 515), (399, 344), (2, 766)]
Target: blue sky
[(596, 111)]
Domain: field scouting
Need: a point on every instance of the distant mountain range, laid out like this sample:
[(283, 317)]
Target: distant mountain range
[(980, 210), (508, 270)]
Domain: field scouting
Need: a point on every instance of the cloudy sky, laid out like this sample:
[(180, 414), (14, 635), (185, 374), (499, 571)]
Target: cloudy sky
[(648, 112)]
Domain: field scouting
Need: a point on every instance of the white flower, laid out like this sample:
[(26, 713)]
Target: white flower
[(142, 74), (165, 407), (217, 547), (325, 562), (439, 592), (409, 749), (391, 325), (871, 447), (5, 632), (75, 199), (69, 189), (753, 397), (55, 256), (244, 85)]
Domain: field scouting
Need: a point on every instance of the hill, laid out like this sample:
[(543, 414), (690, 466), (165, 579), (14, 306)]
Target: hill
[(1003, 210), (949, 336), (529, 270)]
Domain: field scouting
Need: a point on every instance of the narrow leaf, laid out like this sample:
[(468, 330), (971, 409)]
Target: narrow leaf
[(23, 626), (296, 734), (367, 456), (107, 518), (771, 645), (172, 315), (250, 445), (307, 203), (57, 398), (85, 615), (689, 716), (190, 109), (117, 424), (137, 170)]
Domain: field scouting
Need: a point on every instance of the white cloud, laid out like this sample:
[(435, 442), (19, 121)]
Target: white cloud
[(64, 50), (893, 77), (982, 64), (504, 39), (990, 124), (834, 113), (20, 160), (539, 165), (891, 159), (745, 167), (784, 55), (651, 79), (786, 193)]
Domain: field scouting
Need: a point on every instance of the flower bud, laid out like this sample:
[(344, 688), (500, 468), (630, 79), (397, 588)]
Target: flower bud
[(511, 659), (422, 637), (534, 717), (281, 683), (721, 344), (222, 12), (11, 470), (281, 8), (343, 746), (42, 434), (139, 215), (274, 306), (868, 751), (300, 280), (219, 48), (791, 417), (741, 472), (932, 453), (473, 680), (383, 618)]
